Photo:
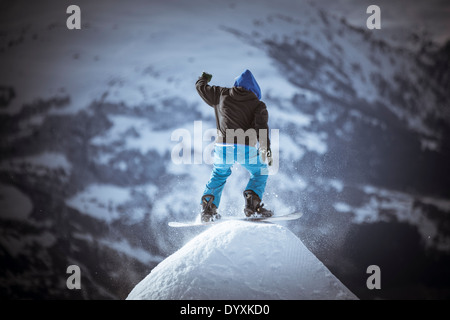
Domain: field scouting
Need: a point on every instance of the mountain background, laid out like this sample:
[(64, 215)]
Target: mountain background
[(87, 175)]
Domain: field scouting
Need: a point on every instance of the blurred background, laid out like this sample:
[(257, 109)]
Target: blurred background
[(86, 118)]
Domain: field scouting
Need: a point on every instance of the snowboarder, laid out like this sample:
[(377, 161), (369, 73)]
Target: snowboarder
[(242, 137)]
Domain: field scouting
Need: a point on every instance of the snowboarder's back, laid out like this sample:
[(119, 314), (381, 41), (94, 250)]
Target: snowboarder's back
[(237, 108)]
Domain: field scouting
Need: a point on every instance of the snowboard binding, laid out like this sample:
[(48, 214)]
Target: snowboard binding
[(254, 207), (209, 209)]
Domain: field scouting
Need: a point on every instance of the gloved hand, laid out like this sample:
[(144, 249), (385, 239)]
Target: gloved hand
[(207, 76), (266, 154)]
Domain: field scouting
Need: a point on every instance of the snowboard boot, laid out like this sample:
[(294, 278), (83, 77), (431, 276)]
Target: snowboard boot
[(253, 205), (209, 209)]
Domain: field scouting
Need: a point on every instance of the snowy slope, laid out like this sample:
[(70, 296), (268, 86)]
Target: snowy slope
[(241, 260), (135, 54)]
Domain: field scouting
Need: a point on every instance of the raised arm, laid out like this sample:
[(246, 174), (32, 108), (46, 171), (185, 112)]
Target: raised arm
[(210, 94)]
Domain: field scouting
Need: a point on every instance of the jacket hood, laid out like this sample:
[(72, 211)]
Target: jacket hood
[(247, 81)]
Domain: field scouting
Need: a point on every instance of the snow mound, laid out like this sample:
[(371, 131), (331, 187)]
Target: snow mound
[(241, 260)]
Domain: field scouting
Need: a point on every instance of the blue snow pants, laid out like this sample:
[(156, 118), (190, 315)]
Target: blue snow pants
[(225, 156)]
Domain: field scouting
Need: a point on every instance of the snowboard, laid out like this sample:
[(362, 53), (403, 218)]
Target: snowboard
[(285, 217)]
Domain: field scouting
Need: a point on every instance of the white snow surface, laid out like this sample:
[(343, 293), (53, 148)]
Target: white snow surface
[(241, 260)]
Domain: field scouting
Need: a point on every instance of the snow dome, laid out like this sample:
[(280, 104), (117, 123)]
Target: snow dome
[(241, 260)]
